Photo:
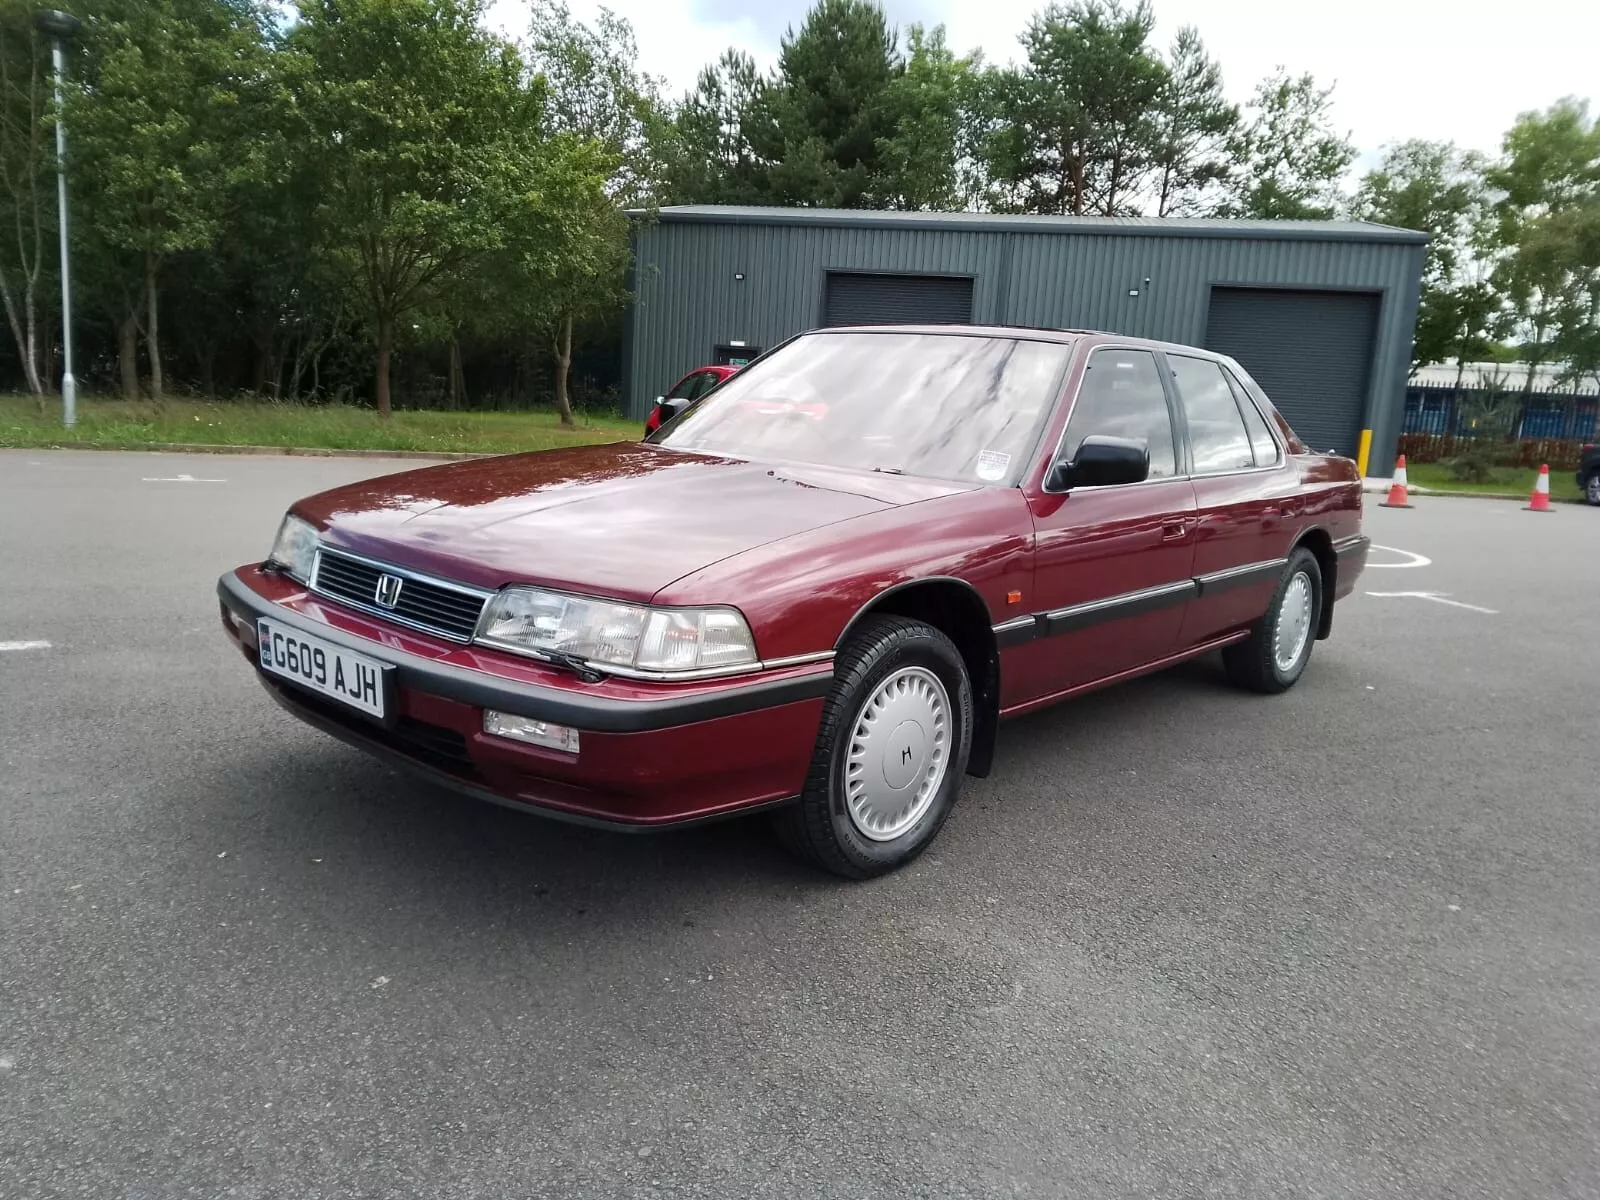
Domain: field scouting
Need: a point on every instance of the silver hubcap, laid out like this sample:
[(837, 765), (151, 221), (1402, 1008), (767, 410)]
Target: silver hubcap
[(899, 752), (1294, 622), (1594, 488)]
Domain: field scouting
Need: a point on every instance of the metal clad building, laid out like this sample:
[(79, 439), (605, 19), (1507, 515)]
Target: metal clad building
[(1320, 312)]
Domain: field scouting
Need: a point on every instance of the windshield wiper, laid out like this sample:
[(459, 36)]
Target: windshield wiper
[(578, 666), (888, 470)]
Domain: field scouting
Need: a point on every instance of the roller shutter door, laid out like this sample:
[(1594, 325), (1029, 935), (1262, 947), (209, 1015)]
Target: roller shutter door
[(897, 300), (1310, 351)]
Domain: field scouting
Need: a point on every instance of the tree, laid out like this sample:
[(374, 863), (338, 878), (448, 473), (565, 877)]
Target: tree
[(27, 207), (595, 89), (1192, 123), (158, 130), (601, 119), (418, 119), (1071, 131), (846, 121), (917, 162), (824, 116), (1290, 158), (1549, 221), (1440, 190), (710, 157)]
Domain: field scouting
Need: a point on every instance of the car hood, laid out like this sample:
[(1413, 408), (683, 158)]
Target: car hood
[(620, 520)]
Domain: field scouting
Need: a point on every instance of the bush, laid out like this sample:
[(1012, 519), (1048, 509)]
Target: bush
[(1476, 461)]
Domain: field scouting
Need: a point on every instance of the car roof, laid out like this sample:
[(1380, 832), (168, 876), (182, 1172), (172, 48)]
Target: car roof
[(1032, 332)]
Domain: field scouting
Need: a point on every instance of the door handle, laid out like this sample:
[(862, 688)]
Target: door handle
[(1174, 531)]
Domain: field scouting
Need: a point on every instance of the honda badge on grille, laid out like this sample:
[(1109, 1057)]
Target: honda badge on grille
[(388, 593)]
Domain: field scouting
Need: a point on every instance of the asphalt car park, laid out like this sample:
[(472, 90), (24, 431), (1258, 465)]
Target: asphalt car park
[(1183, 939)]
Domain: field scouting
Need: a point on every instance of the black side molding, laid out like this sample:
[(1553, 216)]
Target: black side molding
[(1114, 608), (1221, 581), (1016, 631), (1351, 545)]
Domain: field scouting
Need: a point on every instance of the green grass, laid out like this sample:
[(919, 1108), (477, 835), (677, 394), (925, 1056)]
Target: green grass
[(119, 424), (1515, 482)]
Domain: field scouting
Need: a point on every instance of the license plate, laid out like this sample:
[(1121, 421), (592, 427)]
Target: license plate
[(321, 667)]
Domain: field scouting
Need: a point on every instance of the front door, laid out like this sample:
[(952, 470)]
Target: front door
[(1112, 565)]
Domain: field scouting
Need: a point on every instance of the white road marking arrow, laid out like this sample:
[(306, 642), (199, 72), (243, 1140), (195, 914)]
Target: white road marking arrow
[(1416, 560), (24, 645), (1437, 598), (180, 479)]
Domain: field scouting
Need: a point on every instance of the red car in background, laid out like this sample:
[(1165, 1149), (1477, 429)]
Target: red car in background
[(817, 592), (685, 394)]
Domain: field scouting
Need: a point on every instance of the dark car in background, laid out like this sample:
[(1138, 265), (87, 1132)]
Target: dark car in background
[(1589, 473), (685, 394)]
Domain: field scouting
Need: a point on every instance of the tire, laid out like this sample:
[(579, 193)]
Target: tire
[(855, 818), (1255, 662), (1591, 487)]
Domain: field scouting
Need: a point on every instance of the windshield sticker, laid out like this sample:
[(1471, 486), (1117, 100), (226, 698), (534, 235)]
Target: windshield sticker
[(993, 465)]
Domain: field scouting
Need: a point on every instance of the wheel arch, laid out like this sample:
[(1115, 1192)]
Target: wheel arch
[(1320, 542), (954, 607)]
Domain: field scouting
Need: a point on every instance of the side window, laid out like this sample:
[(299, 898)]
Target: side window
[(687, 388), (1121, 396), (1255, 424), (1217, 436)]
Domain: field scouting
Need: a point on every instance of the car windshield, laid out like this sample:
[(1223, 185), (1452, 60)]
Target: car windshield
[(945, 405)]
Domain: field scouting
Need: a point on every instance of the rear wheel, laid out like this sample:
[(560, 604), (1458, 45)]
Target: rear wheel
[(893, 746), (1278, 648), (1591, 487)]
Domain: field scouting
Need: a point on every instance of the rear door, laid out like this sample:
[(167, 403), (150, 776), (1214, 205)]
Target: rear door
[(1112, 564), (1245, 500)]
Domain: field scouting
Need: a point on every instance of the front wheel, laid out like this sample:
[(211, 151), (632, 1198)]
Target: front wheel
[(893, 746), (1591, 487), (1275, 654)]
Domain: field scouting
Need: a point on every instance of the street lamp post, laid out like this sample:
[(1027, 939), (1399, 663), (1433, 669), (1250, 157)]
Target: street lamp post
[(62, 28)]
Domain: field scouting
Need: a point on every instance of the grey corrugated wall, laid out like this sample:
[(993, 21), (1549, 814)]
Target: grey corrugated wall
[(688, 299)]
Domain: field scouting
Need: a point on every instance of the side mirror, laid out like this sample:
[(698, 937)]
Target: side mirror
[(1100, 462), (670, 409)]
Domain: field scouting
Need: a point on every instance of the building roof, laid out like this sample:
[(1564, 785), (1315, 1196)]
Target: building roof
[(1191, 227), (1506, 377)]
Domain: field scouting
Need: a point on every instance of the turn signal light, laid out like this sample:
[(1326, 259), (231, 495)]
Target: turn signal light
[(526, 729)]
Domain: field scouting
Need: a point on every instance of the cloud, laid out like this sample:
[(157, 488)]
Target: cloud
[(1458, 70), (770, 20)]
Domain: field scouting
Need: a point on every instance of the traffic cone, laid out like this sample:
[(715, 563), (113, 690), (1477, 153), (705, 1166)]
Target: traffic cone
[(1397, 490), (1540, 500)]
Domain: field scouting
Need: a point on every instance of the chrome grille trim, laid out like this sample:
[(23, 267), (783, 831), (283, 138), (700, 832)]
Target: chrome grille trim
[(426, 603)]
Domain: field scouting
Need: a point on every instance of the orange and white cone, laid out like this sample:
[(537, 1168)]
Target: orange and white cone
[(1540, 500), (1398, 496)]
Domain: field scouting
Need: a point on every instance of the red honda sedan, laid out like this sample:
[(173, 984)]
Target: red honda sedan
[(819, 591)]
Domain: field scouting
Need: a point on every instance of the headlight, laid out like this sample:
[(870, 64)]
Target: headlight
[(295, 549), (528, 620)]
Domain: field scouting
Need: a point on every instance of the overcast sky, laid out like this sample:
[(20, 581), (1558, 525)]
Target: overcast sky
[(1458, 70)]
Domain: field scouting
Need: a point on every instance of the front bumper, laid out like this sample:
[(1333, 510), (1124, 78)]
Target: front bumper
[(650, 754)]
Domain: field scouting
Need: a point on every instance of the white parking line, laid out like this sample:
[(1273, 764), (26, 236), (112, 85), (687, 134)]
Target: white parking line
[(1437, 598), (24, 645), (1416, 560), (179, 479)]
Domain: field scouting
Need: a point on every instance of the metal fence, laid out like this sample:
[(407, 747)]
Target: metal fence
[(1548, 427)]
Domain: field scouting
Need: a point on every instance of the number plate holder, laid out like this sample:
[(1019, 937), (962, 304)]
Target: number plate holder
[(356, 682)]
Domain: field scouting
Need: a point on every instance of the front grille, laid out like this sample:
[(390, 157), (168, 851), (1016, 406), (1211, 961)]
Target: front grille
[(448, 610)]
